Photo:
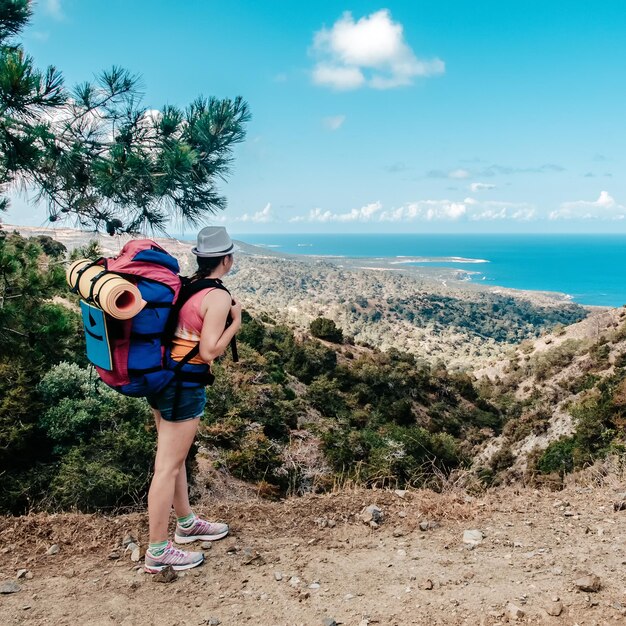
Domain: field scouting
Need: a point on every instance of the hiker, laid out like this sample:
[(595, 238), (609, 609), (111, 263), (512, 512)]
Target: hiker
[(203, 321)]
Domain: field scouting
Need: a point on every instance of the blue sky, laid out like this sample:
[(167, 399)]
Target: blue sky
[(398, 116)]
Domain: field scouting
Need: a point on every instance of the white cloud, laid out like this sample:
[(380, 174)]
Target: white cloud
[(458, 174), (364, 214), (338, 77), (371, 51), (335, 122), (501, 210), (260, 217), (504, 213), (53, 8), (605, 207), (474, 187), (524, 215), (429, 210)]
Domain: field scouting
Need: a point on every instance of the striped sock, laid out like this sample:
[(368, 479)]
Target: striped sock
[(187, 521), (158, 548)]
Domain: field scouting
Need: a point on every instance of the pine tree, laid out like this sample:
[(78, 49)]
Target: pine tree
[(96, 154)]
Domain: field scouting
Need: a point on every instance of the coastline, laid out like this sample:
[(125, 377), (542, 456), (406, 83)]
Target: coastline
[(575, 265), (430, 312), (436, 277)]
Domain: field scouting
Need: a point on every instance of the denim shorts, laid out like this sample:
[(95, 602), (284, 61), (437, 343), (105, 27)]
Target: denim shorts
[(191, 403)]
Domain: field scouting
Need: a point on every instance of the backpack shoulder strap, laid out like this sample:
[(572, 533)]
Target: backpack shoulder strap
[(190, 288)]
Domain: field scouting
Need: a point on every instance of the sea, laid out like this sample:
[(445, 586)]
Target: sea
[(589, 269)]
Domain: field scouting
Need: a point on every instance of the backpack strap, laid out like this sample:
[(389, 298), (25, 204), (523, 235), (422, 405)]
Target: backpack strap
[(190, 288), (75, 281), (203, 378)]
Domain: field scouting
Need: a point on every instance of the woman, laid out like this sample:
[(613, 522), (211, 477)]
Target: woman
[(202, 320)]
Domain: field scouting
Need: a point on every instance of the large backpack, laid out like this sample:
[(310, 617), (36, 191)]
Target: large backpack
[(140, 364)]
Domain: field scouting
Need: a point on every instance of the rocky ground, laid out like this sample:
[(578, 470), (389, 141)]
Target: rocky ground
[(507, 556)]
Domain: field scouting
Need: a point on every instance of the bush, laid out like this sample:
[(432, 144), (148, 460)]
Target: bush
[(324, 395), (102, 451), (558, 457), (257, 458), (251, 332), (311, 359), (324, 328), (391, 455)]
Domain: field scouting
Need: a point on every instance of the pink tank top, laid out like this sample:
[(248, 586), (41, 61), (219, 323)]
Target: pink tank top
[(189, 328)]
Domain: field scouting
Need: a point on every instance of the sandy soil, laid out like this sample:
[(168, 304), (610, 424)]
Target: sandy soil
[(332, 566)]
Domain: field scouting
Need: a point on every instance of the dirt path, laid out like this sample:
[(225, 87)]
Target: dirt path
[(333, 566)]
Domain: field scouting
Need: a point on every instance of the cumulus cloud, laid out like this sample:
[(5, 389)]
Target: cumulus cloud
[(605, 207), (263, 216), (338, 77), (369, 52), (429, 210), (504, 213), (334, 122), (364, 214), (474, 187)]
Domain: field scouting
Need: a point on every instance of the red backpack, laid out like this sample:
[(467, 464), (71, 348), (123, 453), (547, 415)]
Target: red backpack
[(139, 347)]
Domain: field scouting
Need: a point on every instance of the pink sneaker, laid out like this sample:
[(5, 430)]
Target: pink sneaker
[(171, 556), (200, 530)]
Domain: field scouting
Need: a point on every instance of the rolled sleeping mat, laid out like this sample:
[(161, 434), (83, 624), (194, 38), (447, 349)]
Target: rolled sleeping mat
[(109, 291)]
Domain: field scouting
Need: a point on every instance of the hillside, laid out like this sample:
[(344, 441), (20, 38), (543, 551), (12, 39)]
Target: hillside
[(322, 420), (556, 383), (434, 315)]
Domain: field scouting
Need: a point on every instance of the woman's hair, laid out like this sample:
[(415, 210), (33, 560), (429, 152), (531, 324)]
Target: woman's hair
[(206, 264)]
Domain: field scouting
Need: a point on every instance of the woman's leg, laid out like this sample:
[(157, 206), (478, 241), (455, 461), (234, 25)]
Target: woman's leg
[(173, 444), (181, 490)]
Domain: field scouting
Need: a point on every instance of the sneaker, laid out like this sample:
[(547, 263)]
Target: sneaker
[(171, 556), (200, 530)]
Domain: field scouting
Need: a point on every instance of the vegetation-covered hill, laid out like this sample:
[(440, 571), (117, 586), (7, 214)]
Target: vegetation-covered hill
[(458, 323), (298, 413), (563, 397)]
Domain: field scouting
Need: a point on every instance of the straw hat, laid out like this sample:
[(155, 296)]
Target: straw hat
[(213, 241)]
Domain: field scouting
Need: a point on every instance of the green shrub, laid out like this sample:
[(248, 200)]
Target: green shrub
[(252, 331), (324, 328), (257, 458), (112, 470), (391, 455), (558, 457), (103, 452), (311, 359), (323, 394)]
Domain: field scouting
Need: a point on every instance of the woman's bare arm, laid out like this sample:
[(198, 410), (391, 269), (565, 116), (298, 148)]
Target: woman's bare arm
[(215, 338)]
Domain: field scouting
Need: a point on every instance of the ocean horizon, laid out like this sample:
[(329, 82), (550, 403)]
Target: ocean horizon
[(589, 269)]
